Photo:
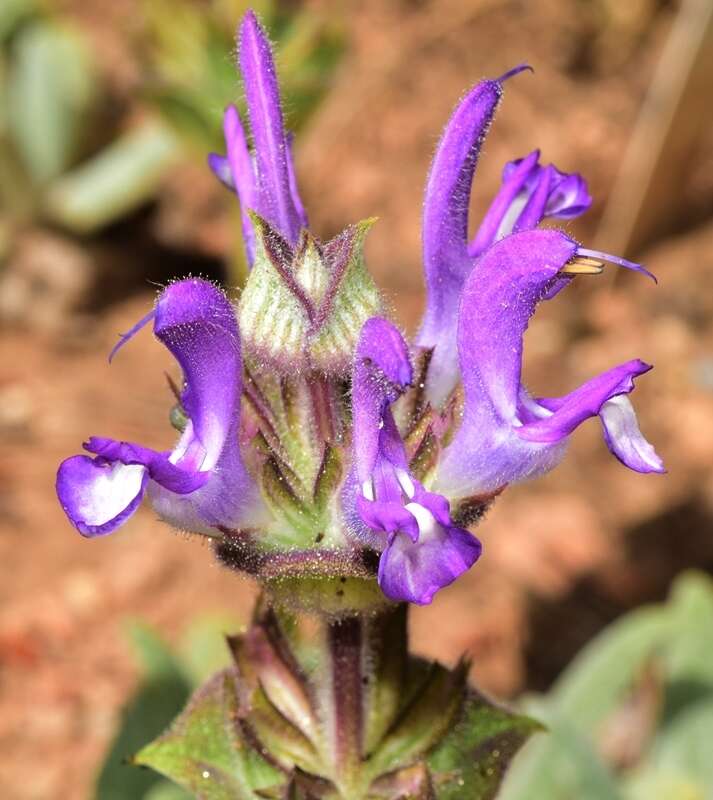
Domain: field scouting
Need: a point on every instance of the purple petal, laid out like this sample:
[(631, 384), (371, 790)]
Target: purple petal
[(569, 197), (498, 300), (505, 435), (197, 323), (503, 211), (382, 370), (445, 210), (272, 153), (414, 571), (570, 411), (243, 175), (446, 258), (157, 464), (529, 194), (98, 496), (624, 438), (534, 210), (220, 167), (388, 517)]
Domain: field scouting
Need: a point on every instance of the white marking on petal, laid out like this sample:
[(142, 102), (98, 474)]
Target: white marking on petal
[(367, 489), (109, 493), (428, 526), (405, 483)]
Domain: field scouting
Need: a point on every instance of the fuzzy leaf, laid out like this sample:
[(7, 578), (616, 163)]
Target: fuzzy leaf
[(204, 750), (472, 758)]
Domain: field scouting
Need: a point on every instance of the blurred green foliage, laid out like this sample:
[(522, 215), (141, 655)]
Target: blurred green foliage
[(65, 162), (188, 50), (632, 717), (167, 679), (55, 166)]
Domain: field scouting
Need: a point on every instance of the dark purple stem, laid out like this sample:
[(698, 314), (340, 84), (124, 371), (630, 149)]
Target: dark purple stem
[(345, 646)]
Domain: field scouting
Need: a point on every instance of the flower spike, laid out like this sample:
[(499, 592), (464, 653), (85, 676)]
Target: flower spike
[(202, 483), (354, 455)]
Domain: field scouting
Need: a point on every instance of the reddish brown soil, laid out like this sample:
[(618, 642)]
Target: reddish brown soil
[(562, 555)]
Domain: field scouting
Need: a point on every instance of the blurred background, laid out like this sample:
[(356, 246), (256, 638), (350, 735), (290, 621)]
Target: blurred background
[(107, 111)]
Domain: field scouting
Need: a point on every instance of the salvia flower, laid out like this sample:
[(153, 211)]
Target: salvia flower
[(202, 483), (356, 455)]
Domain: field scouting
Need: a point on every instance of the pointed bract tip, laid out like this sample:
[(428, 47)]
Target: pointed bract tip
[(514, 71), (622, 262)]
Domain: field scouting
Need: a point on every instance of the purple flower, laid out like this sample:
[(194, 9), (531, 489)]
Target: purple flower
[(506, 435), (264, 179), (201, 485), (529, 194), (421, 550)]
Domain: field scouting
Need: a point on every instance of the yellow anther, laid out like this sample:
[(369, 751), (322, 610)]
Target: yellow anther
[(582, 265)]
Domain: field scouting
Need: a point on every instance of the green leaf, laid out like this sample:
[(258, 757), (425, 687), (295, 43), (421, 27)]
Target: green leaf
[(680, 765), (204, 750), (161, 694), (51, 84), (12, 13), (471, 760), (597, 679), (689, 653), (118, 180), (561, 764)]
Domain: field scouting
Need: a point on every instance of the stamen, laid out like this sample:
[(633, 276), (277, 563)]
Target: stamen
[(622, 262), (582, 265), (367, 489), (124, 337), (514, 71)]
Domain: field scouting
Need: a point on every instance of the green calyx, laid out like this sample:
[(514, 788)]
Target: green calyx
[(302, 308), (335, 708)]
